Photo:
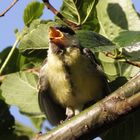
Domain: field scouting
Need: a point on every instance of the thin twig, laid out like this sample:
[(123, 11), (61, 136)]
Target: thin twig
[(9, 56), (59, 15), (137, 64), (111, 55), (134, 63), (8, 8)]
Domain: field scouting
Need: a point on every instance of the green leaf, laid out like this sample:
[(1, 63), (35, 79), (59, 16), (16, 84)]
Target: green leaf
[(116, 16), (94, 41), (138, 137), (109, 66), (20, 89), (38, 122), (81, 12), (22, 130), (12, 63), (33, 11), (132, 52), (114, 68), (1, 97), (127, 38), (130, 41), (35, 42), (17, 61)]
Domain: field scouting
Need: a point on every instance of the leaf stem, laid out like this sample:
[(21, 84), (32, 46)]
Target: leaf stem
[(9, 56)]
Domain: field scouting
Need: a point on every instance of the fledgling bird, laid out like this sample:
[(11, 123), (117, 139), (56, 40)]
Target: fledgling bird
[(70, 77)]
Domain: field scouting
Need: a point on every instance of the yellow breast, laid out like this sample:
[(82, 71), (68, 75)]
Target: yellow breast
[(80, 86)]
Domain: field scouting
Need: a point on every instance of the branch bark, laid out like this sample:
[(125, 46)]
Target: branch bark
[(134, 63), (59, 15), (94, 120), (8, 8)]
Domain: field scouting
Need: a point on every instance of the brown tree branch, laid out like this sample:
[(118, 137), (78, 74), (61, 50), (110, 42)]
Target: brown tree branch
[(8, 8), (94, 120), (59, 15), (134, 63)]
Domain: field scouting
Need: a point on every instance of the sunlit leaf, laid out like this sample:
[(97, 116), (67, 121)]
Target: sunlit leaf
[(12, 65), (22, 130), (129, 41), (132, 52), (20, 89), (33, 11), (81, 12), (114, 68), (35, 42), (116, 16), (127, 38)]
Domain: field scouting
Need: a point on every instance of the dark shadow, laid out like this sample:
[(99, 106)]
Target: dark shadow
[(7, 121), (118, 82), (117, 15), (7, 124)]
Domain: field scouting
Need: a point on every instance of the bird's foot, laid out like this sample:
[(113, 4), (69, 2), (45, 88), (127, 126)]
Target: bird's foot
[(68, 118), (69, 114)]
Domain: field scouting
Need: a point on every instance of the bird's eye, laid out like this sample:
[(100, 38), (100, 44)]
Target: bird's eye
[(67, 35)]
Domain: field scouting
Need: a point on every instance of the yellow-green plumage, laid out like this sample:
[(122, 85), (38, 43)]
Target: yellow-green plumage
[(70, 78), (80, 87)]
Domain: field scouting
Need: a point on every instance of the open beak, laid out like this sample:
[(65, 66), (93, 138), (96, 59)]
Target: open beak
[(55, 34)]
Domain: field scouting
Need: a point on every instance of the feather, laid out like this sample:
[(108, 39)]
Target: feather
[(88, 53), (53, 111)]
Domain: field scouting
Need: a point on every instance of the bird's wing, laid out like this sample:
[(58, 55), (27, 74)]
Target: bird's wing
[(54, 112), (91, 56)]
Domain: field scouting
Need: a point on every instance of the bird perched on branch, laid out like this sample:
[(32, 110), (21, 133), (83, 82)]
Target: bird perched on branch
[(70, 77)]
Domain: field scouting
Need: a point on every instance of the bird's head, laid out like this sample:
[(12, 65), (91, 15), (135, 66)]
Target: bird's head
[(62, 37)]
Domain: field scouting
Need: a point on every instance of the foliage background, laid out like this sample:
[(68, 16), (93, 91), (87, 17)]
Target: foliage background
[(117, 71)]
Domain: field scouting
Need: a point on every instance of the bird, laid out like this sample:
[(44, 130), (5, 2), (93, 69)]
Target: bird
[(70, 77)]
